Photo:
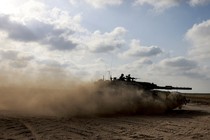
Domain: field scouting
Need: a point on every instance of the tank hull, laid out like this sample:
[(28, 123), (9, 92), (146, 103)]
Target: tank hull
[(143, 100)]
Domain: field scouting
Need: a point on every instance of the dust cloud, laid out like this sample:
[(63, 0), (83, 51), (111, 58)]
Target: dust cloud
[(48, 95)]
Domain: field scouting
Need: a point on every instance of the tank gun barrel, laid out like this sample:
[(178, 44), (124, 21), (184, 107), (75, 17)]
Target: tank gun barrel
[(173, 88), (151, 86)]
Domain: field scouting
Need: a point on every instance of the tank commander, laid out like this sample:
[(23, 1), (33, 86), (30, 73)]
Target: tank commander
[(122, 77), (128, 77)]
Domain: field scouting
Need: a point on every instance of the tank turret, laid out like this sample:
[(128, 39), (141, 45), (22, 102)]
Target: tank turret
[(143, 85)]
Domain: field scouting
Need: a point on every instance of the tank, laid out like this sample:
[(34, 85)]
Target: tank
[(167, 95)]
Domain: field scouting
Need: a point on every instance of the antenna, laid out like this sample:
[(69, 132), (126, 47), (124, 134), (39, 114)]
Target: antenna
[(111, 65), (110, 76)]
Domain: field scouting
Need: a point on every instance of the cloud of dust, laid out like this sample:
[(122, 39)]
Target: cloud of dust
[(47, 95)]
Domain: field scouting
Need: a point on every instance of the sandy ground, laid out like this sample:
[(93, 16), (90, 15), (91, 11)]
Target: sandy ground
[(192, 122)]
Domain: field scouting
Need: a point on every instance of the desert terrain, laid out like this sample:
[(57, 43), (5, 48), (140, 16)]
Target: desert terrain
[(191, 122)]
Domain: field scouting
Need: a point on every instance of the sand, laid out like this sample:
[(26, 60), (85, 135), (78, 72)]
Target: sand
[(192, 122)]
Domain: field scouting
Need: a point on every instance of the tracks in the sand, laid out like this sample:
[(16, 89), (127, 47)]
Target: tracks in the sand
[(13, 128), (185, 124)]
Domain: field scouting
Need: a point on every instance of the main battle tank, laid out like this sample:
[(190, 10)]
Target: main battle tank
[(151, 91)]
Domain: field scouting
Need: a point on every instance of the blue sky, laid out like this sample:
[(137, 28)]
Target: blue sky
[(165, 42)]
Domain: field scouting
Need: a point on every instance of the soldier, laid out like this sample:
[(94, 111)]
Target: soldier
[(122, 78), (128, 77)]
